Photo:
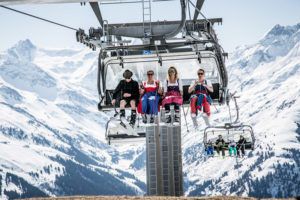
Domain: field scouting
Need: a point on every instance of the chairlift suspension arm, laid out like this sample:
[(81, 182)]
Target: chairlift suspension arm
[(237, 110), (199, 5), (96, 9)]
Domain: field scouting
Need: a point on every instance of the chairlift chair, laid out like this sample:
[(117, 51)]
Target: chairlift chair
[(229, 132)]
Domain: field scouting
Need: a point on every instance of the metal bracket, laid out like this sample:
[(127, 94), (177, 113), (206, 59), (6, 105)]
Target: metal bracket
[(225, 55), (159, 57), (199, 56)]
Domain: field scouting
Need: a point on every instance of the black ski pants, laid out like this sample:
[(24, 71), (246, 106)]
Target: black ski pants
[(222, 149), (240, 147)]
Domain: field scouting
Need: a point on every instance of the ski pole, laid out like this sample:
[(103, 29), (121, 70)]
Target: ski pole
[(187, 129)]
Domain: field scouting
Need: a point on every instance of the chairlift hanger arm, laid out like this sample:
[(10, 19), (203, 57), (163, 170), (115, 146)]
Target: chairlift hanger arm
[(198, 6), (96, 9)]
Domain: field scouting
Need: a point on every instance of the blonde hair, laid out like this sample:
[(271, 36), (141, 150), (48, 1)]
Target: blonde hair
[(176, 73)]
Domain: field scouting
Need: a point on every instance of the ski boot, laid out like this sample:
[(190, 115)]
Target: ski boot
[(122, 118), (206, 119), (168, 119), (151, 119), (144, 118), (177, 118), (133, 118), (194, 119)]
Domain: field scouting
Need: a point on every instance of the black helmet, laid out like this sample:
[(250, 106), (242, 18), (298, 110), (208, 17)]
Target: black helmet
[(241, 136), (127, 74)]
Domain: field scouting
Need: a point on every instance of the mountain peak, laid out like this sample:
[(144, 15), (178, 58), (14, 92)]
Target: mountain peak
[(283, 30), (27, 44), (23, 50)]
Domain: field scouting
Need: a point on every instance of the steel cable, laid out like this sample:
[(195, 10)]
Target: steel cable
[(39, 18)]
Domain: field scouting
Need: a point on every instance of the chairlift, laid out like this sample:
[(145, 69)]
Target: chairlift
[(230, 132)]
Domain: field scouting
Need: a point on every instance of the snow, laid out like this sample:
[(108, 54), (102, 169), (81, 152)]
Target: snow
[(266, 77), (48, 101)]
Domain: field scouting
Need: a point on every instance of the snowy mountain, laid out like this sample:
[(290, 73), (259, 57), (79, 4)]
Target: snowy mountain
[(52, 136), (267, 77)]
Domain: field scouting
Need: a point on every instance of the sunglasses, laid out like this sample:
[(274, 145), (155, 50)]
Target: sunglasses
[(171, 71), (149, 74), (200, 73)]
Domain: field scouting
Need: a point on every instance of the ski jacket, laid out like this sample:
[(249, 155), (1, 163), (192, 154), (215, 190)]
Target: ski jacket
[(131, 87), (242, 141), (209, 145), (220, 142), (232, 144)]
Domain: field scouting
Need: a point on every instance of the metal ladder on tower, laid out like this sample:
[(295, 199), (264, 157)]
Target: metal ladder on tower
[(147, 17)]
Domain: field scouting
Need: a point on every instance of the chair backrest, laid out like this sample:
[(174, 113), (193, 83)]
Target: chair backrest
[(186, 95), (216, 93)]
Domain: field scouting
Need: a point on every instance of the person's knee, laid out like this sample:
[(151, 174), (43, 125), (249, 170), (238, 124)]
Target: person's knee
[(122, 104), (132, 104), (194, 100)]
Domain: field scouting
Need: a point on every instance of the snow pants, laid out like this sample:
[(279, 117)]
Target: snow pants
[(241, 147), (199, 101), (210, 151), (232, 149), (222, 149)]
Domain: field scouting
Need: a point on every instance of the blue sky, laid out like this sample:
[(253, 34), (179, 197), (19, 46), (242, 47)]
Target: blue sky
[(244, 21)]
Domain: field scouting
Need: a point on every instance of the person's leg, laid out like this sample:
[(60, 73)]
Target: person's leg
[(133, 111), (151, 108), (234, 150), (153, 105), (238, 150), (177, 112), (230, 151), (194, 111), (207, 108), (223, 152), (122, 108), (199, 102), (193, 106), (207, 151), (144, 105), (243, 149), (144, 102), (218, 150), (168, 113)]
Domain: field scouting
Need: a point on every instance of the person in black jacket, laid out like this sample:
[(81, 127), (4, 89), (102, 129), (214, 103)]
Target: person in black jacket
[(241, 146), (220, 144), (129, 90)]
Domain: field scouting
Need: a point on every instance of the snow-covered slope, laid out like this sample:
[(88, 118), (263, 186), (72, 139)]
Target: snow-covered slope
[(52, 136), (267, 77)]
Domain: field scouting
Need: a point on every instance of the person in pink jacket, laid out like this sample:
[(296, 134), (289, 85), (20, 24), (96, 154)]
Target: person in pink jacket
[(172, 94)]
